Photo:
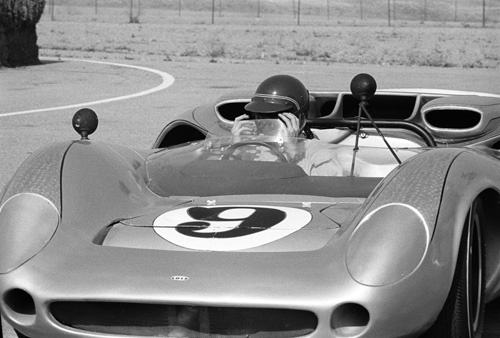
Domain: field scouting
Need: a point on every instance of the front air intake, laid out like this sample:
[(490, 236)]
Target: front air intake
[(152, 320)]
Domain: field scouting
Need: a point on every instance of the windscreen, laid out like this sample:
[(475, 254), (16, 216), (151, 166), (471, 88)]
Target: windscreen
[(269, 140), (266, 159)]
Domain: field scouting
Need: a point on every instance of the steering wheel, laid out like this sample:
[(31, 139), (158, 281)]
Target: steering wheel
[(229, 153)]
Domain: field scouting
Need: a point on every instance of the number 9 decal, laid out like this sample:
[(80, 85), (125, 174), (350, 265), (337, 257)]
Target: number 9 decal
[(229, 228)]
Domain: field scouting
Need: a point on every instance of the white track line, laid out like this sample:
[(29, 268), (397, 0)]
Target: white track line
[(167, 80)]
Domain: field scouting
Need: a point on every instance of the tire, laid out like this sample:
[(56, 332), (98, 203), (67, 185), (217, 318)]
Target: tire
[(463, 313)]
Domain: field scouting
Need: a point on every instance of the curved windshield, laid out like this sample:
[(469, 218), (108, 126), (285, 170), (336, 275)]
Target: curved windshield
[(267, 160), (268, 140), (272, 130), (262, 140)]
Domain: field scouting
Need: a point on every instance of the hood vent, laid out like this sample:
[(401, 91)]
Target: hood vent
[(461, 117)]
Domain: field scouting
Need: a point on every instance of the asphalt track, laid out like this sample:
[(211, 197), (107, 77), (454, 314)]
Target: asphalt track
[(167, 80), (134, 99)]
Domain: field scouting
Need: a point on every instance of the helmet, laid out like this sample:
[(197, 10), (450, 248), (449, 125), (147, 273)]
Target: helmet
[(278, 94)]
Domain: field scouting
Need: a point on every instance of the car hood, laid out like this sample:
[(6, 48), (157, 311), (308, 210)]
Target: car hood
[(253, 223)]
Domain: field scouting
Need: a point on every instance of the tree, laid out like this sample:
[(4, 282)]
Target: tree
[(18, 19)]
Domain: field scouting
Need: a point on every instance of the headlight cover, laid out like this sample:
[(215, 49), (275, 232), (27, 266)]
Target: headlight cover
[(387, 245), (27, 223)]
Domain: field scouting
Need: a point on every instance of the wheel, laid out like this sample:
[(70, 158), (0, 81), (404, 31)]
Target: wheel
[(463, 313), (229, 153)]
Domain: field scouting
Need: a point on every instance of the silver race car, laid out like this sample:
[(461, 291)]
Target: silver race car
[(385, 224)]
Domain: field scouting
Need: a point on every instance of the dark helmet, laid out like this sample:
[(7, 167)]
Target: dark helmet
[(278, 94)]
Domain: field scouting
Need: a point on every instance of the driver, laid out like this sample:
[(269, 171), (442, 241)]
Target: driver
[(286, 98), (278, 97)]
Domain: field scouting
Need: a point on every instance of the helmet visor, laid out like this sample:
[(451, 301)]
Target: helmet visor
[(271, 104)]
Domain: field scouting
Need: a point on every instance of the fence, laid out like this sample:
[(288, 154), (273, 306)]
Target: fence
[(294, 12)]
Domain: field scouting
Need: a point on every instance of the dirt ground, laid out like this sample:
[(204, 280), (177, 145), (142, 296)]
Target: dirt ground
[(435, 46)]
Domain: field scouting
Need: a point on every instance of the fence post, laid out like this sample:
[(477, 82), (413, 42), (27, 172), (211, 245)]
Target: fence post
[(389, 12), (484, 13), (298, 13), (131, 19), (213, 11), (456, 10), (425, 10), (52, 10)]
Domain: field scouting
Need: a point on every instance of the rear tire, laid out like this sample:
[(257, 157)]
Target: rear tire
[(463, 313)]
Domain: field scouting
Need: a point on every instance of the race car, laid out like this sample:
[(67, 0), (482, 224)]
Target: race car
[(209, 234)]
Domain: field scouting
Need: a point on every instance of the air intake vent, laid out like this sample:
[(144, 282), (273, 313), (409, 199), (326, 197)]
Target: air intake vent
[(154, 320), (461, 117), (453, 119), (382, 106), (228, 110)]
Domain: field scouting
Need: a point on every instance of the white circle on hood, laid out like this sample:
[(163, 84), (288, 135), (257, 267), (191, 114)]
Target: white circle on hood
[(229, 227)]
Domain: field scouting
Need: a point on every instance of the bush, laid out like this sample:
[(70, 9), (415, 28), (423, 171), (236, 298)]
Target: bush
[(18, 19)]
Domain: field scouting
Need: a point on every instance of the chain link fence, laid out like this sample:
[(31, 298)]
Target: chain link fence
[(485, 13)]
